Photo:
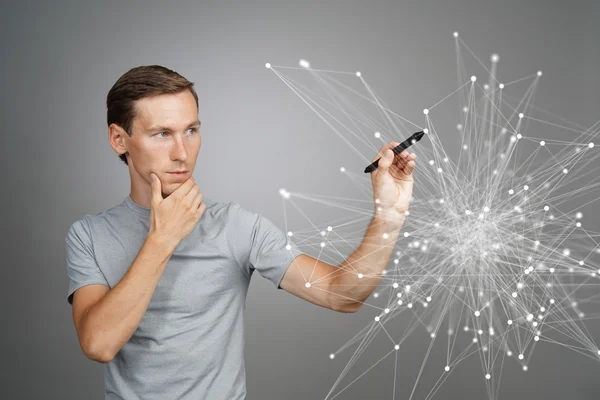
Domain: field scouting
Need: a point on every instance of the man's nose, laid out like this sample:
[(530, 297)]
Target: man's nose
[(179, 151)]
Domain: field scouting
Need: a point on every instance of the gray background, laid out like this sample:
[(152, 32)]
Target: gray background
[(60, 59)]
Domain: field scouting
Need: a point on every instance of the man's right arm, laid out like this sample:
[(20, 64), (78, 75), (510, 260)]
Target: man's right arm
[(105, 325)]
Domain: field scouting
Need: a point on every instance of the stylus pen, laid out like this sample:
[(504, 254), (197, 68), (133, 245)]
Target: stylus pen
[(398, 149)]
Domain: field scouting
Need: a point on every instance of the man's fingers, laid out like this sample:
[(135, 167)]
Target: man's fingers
[(381, 151)]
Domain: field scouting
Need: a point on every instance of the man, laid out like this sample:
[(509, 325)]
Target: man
[(158, 283)]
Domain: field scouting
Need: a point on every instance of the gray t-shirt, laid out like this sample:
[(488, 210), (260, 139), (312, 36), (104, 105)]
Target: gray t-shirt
[(190, 342)]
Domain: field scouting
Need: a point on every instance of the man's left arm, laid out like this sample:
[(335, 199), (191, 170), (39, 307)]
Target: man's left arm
[(345, 288)]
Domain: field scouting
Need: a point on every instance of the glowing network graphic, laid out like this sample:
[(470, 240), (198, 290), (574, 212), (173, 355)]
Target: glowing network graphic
[(495, 254)]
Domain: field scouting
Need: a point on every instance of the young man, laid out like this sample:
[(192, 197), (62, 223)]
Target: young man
[(158, 282)]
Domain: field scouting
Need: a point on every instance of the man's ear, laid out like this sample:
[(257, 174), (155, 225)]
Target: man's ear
[(116, 138)]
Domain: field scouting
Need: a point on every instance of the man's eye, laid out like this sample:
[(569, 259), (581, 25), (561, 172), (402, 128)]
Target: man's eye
[(159, 133), (193, 129)]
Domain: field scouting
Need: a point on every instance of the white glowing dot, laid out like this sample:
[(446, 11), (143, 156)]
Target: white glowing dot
[(407, 288), (377, 134), (455, 34), (304, 64), (474, 340), (480, 332), (511, 191), (539, 73), (565, 171), (591, 145), (447, 368), (552, 301), (486, 209), (521, 115), (307, 284), (599, 352), (387, 310), (322, 244), (425, 111), (501, 86), (512, 139), (519, 136), (509, 353), (405, 234), (529, 317), (377, 318), (514, 294), (524, 367), (439, 170), (477, 313), (521, 356), (360, 276), (525, 187), (399, 302), (342, 169), (288, 247), (425, 130), (431, 162), (466, 329), (465, 147), (473, 78), (578, 224), (329, 228), (409, 305), (358, 73), (579, 215), (397, 347), (268, 65), (468, 212), (395, 285), (486, 87), (332, 356), (385, 235), (428, 298), (290, 233), (546, 208), (487, 376), (536, 338), (542, 143), (495, 58), (551, 270), (406, 212)]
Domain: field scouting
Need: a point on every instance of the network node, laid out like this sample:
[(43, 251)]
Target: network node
[(290, 233), (397, 347), (501, 86), (455, 34), (524, 367), (495, 58), (425, 111), (268, 65), (342, 169), (510, 322), (332, 356), (409, 305), (304, 64), (539, 73), (509, 353), (591, 145), (288, 247), (425, 130), (521, 115), (546, 208), (360, 276), (521, 356), (511, 191), (486, 209), (447, 368), (486, 87), (542, 143), (468, 212), (377, 134), (473, 78), (477, 313), (406, 234), (519, 136), (385, 235), (329, 228), (358, 73), (377, 318), (487, 376), (565, 171), (307, 284)]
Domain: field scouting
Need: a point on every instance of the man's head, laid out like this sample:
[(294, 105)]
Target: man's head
[(152, 116)]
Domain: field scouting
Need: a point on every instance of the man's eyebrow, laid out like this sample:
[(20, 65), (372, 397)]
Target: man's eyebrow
[(165, 128)]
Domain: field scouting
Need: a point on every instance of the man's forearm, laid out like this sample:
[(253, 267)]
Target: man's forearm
[(349, 288), (110, 323)]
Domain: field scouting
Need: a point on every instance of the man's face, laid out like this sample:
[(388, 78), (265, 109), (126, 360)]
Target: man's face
[(166, 138)]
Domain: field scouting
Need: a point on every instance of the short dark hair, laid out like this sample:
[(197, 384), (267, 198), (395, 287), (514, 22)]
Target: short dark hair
[(137, 83)]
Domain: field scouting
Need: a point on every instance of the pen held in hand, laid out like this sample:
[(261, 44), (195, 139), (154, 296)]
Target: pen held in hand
[(414, 138)]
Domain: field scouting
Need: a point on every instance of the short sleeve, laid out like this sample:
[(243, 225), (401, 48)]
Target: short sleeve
[(82, 268), (265, 247)]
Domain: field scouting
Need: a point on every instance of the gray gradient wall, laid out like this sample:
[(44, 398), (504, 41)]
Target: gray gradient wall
[(60, 58)]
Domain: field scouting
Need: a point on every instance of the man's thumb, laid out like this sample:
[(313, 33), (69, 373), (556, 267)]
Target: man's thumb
[(385, 161), (156, 187)]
